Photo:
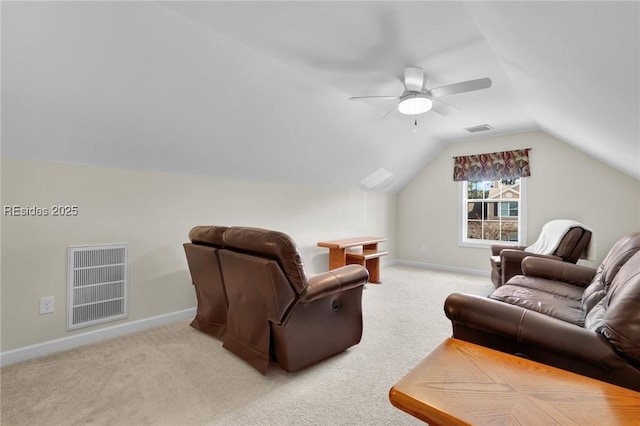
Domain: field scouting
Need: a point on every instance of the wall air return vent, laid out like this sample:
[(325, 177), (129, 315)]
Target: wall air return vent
[(97, 284), (480, 128)]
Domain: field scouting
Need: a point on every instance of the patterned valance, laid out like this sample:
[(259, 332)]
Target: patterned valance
[(495, 165)]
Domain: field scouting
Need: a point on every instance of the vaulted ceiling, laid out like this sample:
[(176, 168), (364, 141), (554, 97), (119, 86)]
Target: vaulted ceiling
[(259, 90)]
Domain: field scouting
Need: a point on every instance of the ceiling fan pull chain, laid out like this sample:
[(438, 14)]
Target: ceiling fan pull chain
[(415, 124)]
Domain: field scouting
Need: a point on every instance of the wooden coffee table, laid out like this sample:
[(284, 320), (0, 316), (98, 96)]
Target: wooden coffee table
[(461, 383), (368, 256)]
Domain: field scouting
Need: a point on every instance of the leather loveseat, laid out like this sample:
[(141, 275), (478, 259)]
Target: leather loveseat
[(570, 316), (254, 294)]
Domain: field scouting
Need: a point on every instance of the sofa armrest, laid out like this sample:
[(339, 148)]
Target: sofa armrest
[(532, 329), (560, 271), (497, 248), (334, 281)]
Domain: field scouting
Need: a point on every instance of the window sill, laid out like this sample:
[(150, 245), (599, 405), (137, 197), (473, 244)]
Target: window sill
[(485, 244)]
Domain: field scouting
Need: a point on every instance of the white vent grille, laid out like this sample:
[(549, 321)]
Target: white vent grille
[(480, 128), (98, 284)]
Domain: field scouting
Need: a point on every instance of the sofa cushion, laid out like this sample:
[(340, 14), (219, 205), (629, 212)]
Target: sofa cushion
[(622, 251), (619, 254), (594, 319), (561, 307), (594, 293), (554, 287), (622, 310)]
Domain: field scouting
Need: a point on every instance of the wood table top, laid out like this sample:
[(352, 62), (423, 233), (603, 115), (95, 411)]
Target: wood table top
[(461, 383), (351, 242)]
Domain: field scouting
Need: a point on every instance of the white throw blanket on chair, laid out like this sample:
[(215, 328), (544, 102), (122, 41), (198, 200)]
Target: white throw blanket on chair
[(553, 232)]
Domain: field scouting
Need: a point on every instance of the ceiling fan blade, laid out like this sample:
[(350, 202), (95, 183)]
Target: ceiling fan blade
[(442, 108), (413, 79), (465, 86), (385, 116), (360, 98)]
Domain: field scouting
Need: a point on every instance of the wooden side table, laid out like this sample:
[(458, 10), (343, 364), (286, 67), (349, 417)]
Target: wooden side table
[(369, 256), (461, 383)]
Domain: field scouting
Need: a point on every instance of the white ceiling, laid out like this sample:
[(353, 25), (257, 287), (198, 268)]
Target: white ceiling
[(258, 90)]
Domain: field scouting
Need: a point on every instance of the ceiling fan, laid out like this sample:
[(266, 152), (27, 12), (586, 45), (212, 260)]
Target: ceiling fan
[(416, 99)]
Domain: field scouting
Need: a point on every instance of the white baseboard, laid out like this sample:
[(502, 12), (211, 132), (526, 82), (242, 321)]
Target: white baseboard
[(442, 267), (65, 343), (388, 262)]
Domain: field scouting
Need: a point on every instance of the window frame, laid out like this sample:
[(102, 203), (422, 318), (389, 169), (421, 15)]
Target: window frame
[(463, 241)]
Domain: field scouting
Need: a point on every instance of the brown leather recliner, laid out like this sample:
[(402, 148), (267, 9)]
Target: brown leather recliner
[(206, 275), (573, 317), (274, 312), (506, 259)]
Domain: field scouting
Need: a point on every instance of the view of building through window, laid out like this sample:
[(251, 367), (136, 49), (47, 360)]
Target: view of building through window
[(493, 208)]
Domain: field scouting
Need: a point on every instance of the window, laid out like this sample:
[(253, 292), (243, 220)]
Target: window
[(492, 185), (492, 211)]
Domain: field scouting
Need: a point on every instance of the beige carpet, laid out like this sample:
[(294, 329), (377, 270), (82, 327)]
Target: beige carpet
[(174, 375)]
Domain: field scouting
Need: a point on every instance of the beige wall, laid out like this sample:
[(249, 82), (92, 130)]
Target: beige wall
[(153, 212), (565, 183)]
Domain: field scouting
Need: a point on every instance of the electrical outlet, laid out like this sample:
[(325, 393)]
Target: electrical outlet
[(47, 304), (424, 249)]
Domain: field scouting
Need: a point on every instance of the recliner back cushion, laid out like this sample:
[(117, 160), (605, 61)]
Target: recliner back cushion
[(621, 324), (257, 288), (568, 242), (593, 294), (207, 235), (620, 253), (272, 244)]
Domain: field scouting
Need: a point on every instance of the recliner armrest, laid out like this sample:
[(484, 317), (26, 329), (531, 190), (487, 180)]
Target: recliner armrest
[(497, 248), (511, 262), (334, 281), (559, 271), (518, 255), (532, 329)]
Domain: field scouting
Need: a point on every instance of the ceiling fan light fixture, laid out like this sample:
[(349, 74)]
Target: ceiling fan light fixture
[(414, 104)]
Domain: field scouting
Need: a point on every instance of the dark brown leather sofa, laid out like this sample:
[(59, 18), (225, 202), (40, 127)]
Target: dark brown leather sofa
[(506, 259), (272, 310), (573, 317)]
